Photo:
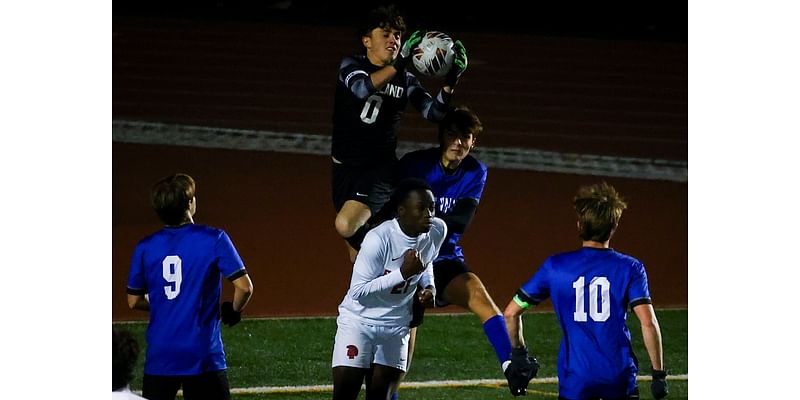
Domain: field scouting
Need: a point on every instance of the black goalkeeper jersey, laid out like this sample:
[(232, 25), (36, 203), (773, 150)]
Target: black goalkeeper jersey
[(365, 119)]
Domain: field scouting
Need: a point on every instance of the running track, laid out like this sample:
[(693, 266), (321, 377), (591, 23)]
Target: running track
[(576, 96)]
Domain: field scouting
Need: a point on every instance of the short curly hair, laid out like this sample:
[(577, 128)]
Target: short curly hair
[(384, 17)]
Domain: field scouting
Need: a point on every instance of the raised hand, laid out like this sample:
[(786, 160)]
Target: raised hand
[(407, 51), (460, 63)]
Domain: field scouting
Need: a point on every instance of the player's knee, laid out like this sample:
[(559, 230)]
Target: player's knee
[(345, 227), (475, 288), (480, 301)]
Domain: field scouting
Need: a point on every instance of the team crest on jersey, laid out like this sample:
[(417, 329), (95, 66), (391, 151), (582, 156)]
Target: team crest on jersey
[(352, 351)]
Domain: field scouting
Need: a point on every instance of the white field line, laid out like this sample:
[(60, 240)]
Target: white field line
[(420, 385), (416, 385), (499, 157)]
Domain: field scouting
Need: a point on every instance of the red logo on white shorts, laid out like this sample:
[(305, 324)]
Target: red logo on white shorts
[(352, 351)]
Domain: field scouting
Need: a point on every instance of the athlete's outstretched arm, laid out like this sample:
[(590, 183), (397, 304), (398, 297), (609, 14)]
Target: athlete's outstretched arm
[(432, 109), (651, 333)]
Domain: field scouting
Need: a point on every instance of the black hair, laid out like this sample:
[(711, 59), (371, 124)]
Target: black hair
[(384, 16), (462, 121), (406, 186), (124, 353)]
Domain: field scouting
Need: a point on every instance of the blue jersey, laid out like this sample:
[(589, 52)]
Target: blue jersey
[(466, 182), (180, 269), (591, 290)]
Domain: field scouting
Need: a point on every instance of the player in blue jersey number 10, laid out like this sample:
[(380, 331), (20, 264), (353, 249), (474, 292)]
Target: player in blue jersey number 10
[(591, 289)]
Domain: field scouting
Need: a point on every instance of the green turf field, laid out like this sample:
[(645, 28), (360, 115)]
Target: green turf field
[(297, 352)]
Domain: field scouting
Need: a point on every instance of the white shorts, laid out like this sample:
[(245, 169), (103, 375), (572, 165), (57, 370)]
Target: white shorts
[(360, 344)]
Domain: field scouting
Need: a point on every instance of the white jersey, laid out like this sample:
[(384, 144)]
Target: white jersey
[(125, 394), (378, 293)]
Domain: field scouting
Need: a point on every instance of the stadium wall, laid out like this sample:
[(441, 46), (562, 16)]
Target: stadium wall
[(277, 209)]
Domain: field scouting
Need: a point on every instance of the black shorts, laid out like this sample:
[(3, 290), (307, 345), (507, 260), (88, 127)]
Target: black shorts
[(371, 186), (631, 396), (209, 385), (444, 271)]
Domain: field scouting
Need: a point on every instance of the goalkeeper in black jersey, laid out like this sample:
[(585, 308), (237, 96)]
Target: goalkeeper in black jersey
[(372, 92)]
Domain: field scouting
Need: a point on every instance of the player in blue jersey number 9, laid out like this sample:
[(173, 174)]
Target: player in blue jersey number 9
[(175, 275)]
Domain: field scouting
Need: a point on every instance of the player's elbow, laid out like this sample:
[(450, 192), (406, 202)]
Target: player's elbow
[(356, 295), (362, 88), (246, 291), (649, 325), (244, 285), (357, 292)]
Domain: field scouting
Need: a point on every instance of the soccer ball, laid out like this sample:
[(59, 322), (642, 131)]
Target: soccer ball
[(434, 54)]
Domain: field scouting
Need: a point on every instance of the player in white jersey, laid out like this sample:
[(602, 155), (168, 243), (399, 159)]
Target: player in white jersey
[(372, 328)]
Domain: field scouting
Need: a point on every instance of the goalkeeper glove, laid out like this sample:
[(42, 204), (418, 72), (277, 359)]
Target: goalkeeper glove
[(522, 369), (407, 51), (659, 385), (230, 317), (460, 63)]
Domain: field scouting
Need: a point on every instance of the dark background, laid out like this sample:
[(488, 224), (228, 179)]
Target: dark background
[(607, 79), (642, 20)]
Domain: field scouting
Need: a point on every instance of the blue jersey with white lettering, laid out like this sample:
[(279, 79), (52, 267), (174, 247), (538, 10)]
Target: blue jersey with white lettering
[(180, 268), (591, 290), (467, 181)]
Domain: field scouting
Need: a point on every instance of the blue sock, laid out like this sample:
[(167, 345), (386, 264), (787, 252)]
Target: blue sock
[(395, 396), (497, 333)]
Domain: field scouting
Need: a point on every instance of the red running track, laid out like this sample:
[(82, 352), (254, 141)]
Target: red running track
[(568, 95)]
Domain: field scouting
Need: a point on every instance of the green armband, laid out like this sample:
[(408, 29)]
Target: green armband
[(521, 302)]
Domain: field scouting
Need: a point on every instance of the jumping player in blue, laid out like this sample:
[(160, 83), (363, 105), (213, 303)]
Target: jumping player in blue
[(591, 289), (373, 90), (457, 179), (175, 275)]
